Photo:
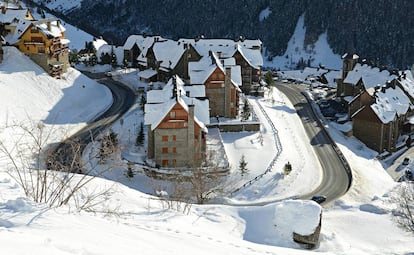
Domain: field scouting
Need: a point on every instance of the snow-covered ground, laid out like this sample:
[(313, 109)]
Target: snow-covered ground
[(131, 221)]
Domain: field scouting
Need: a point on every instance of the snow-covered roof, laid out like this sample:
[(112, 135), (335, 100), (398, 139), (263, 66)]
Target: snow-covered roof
[(407, 82), (236, 75), (371, 76), (133, 39), (200, 71), (11, 16), (98, 43), (50, 27), (21, 27), (160, 102), (168, 52), (390, 103), (226, 48), (196, 90), (146, 74), (107, 49)]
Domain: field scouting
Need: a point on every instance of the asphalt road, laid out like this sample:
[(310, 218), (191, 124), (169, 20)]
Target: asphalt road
[(123, 99), (335, 180)]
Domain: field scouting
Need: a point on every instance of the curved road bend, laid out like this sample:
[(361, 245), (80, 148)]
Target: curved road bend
[(335, 181), (123, 99)]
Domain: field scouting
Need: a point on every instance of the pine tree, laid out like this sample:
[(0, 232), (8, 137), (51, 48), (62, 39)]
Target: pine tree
[(93, 59), (140, 137), (246, 110), (243, 166), (114, 61)]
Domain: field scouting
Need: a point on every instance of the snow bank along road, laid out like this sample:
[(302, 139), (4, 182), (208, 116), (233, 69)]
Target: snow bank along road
[(123, 99), (336, 176)]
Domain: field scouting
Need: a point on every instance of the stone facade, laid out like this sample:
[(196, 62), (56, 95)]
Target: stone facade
[(177, 141)]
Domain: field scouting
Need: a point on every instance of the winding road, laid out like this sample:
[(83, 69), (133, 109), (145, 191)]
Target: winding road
[(336, 176), (123, 99)]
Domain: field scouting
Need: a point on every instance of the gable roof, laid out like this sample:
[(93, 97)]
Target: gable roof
[(371, 76), (160, 103), (200, 71), (168, 52), (226, 48), (389, 103)]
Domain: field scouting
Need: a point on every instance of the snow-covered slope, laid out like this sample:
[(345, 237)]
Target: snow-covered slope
[(28, 93), (317, 54)]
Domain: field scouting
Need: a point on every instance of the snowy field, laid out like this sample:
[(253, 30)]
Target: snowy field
[(132, 222)]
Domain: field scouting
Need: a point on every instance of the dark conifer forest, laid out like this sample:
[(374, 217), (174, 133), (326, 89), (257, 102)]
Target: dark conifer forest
[(379, 30)]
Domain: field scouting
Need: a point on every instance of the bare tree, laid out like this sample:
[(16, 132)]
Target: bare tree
[(404, 212), (53, 175), (207, 179)]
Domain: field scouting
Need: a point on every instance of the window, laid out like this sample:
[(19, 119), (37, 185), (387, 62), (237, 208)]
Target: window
[(172, 115), (174, 162), (165, 162), (174, 150), (174, 138), (165, 138), (164, 150)]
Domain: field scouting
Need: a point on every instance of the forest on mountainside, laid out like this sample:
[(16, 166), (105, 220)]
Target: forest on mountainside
[(381, 31)]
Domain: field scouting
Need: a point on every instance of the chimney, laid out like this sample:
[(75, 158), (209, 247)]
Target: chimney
[(219, 54), (49, 25), (383, 88), (3, 9), (175, 92), (227, 92)]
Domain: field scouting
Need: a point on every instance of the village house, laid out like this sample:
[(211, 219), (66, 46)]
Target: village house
[(247, 53), (380, 104), (379, 122), (176, 126), (43, 40), (221, 84), (357, 77), (168, 58)]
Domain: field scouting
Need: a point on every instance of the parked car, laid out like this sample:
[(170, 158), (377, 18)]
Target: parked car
[(319, 199), (406, 161)]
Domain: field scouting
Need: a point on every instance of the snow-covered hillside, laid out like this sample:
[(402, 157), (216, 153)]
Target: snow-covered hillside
[(317, 54), (28, 93)]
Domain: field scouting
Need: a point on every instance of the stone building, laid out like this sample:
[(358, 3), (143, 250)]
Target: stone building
[(176, 126), (221, 84)]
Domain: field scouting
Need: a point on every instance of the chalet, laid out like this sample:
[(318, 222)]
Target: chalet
[(382, 113), (132, 49), (221, 84), (176, 126), (357, 77), (14, 19), (44, 41), (247, 53)]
